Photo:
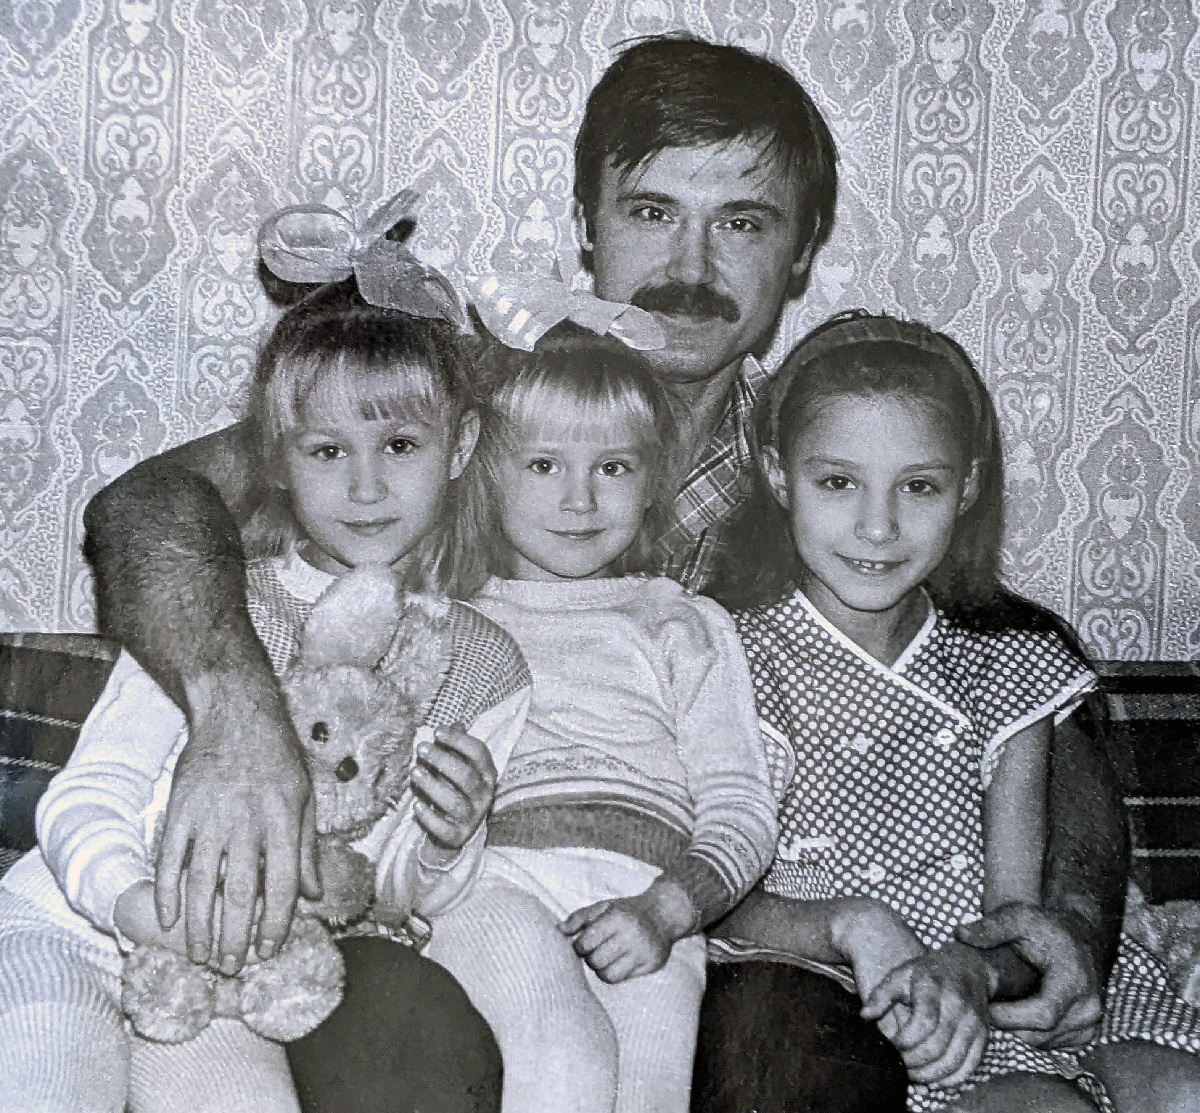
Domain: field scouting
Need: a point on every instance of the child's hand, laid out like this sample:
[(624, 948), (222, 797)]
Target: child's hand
[(934, 1009), (631, 936), (454, 781)]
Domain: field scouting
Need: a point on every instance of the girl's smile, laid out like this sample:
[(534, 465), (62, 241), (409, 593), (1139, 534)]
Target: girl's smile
[(873, 487)]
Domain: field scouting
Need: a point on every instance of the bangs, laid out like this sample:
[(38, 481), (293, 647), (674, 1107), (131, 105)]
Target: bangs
[(582, 408), (331, 385)]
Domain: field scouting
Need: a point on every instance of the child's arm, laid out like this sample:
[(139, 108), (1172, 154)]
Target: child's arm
[(946, 992), (428, 854), (90, 822), (1014, 820), (733, 836)]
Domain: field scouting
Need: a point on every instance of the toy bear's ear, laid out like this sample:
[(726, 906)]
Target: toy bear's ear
[(419, 655), (354, 621)]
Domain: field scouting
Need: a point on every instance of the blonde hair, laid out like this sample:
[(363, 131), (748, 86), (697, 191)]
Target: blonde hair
[(586, 382), (335, 353)]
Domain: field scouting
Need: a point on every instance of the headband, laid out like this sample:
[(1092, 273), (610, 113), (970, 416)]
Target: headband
[(856, 326), (317, 244)]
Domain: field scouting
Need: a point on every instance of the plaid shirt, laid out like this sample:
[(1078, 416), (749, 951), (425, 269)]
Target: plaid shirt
[(718, 484)]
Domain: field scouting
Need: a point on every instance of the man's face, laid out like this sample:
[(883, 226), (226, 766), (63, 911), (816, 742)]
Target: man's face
[(705, 238)]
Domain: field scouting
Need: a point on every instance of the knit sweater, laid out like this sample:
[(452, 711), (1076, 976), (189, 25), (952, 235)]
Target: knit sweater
[(97, 820), (642, 736)]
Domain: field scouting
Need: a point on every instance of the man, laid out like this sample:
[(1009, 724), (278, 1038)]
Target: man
[(705, 182)]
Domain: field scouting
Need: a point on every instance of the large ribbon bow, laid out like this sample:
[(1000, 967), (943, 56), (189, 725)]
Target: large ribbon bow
[(518, 310), (316, 244)]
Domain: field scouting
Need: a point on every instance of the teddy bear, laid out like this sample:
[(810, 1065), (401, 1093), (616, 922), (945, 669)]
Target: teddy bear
[(369, 662)]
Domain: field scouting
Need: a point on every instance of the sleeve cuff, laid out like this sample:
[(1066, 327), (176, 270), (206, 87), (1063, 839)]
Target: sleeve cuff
[(707, 889)]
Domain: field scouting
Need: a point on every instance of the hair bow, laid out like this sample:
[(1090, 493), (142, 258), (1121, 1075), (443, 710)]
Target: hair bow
[(518, 310), (316, 244)]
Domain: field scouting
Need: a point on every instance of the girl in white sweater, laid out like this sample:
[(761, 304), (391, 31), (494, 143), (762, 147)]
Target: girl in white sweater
[(364, 418), (636, 807)]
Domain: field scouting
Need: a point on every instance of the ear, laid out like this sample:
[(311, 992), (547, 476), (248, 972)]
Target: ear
[(804, 260), (354, 620), (970, 491), (464, 445), (582, 232), (773, 473)]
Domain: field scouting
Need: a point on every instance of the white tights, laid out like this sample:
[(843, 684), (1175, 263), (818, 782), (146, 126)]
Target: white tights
[(570, 1043)]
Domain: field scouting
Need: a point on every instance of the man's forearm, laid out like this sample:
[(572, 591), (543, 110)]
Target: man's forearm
[(1087, 858), (170, 574)]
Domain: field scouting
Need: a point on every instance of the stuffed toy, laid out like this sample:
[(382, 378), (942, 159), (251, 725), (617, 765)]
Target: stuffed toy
[(369, 662)]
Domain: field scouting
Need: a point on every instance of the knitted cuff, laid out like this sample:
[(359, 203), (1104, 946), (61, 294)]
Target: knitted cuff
[(706, 887)]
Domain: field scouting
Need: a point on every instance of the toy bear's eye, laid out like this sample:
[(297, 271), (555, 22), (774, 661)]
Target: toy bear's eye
[(320, 731)]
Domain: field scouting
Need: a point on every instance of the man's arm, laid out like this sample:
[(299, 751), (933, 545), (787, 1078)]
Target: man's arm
[(170, 582)]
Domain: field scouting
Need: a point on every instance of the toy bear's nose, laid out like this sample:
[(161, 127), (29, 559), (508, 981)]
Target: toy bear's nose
[(347, 769)]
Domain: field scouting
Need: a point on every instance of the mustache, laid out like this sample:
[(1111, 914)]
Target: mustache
[(678, 299)]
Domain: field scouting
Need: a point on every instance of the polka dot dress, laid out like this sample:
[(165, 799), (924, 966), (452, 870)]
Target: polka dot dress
[(881, 774)]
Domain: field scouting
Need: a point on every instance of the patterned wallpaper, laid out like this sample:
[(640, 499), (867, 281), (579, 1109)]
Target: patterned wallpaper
[(1016, 173)]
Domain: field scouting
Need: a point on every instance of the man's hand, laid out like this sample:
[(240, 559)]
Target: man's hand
[(1065, 1010), (631, 936), (454, 782), (934, 1010), (240, 798)]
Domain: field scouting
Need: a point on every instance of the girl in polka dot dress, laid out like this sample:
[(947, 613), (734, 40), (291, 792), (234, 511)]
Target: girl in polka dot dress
[(908, 702)]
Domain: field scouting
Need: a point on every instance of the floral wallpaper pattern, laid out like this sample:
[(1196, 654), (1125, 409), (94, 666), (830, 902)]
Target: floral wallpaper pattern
[(1016, 173)]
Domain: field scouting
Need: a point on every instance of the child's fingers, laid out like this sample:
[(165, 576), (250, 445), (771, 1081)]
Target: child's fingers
[(441, 795), (581, 917), (922, 1020), (438, 764), (975, 1048), (439, 827), (895, 987), (605, 955)]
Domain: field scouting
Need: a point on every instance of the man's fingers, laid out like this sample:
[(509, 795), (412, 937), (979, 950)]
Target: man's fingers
[(1024, 927), (592, 938), (280, 884), (238, 895), (581, 917), (619, 970), (310, 873), (199, 898), (172, 854)]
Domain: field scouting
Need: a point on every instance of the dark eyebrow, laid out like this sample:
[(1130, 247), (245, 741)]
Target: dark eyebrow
[(730, 208)]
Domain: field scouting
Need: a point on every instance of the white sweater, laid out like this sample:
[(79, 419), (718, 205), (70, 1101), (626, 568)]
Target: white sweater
[(642, 737), (96, 820)]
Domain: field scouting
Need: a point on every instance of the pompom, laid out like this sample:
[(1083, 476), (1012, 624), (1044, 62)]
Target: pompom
[(287, 996), (354, 620), (167, 997)]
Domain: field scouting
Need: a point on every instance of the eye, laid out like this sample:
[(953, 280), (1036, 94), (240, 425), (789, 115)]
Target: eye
[(921, 487), (836, 483), (614, 468), (742, 224), (325, 452), (320, 731), (401, 446), (540, 465), (651, 214)]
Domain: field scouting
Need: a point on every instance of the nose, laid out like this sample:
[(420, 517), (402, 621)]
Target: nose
[(347, 769), (366, 480), (691, 254), (579, 493), (878, 521)]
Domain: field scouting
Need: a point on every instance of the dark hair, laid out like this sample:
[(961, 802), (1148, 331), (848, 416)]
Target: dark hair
[(679, 91), (334, 350), (863, 355), (572, 374)]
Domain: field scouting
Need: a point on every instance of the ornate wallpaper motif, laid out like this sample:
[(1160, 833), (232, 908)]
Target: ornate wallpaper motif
[(1017, 173)]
